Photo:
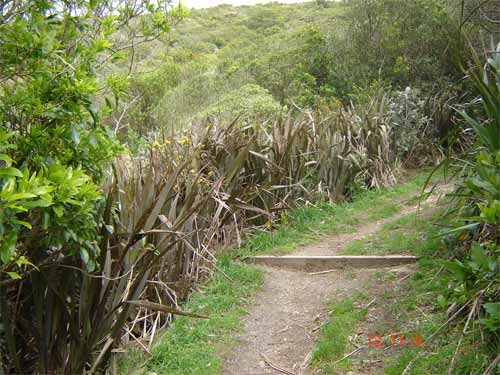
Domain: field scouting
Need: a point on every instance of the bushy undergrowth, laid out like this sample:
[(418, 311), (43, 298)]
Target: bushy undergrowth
[(96, 246), (474, 240), (55, 154), (302, 54)]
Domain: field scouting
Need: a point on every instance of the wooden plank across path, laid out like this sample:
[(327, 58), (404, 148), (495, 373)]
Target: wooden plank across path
[(313, 263)]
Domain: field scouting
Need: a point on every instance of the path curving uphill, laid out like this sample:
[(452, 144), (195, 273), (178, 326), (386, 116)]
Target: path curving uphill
[(285, 319)]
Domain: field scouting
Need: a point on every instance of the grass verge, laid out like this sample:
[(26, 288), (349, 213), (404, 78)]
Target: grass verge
[(305, 225), (191, 346), (399, 237), (412, 306), (334, 336)]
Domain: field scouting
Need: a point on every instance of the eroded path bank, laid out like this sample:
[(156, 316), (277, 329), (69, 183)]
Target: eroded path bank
[(284, 322)]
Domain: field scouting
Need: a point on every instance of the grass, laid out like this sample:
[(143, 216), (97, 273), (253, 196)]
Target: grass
[(334, 337), (191, 346), (398, 237), (194, 346), (418, 306), (305, 225), (411, 307)]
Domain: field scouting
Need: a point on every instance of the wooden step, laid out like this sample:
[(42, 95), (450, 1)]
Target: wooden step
[(321, 263)]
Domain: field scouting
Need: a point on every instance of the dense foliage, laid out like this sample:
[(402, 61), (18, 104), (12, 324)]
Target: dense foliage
[(55, 153), (475, 238), (129, 150), (306, 55)]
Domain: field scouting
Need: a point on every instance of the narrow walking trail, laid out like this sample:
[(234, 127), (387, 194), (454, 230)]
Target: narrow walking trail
[(284, 321)]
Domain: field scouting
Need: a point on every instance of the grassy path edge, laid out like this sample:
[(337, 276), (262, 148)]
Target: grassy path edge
[(412, 307)]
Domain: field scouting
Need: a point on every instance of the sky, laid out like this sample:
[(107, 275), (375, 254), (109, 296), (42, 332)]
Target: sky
[(211, 3)]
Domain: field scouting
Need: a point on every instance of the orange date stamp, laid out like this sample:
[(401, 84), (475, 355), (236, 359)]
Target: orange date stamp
[(397, 340)]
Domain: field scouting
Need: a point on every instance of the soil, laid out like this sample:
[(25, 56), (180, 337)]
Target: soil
[(284, 322)]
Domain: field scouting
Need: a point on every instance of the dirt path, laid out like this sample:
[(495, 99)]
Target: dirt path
[(283, 323), (330, 245)]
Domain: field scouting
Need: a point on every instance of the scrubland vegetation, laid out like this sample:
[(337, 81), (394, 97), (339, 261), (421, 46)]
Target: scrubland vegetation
[(137, 138)]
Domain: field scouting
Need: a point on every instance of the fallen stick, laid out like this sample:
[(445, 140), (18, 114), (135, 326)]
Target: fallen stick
[(403, 278), (351, 353), (322, 272), (165, 309), (274, 367), (371, 303), (431, 337), (307, 361), (471, 314), (492, 366)]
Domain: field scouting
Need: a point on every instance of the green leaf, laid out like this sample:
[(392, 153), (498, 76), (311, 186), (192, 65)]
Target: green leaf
[(23, 261), (479, 257), (43, 202), (8, 161), (84, 255), (441, 300), (42, 190), (14, 275), (93, 112), (493, 309), (75, 136), (9, 247), (91, 266), (19, 196), (461, 228), (492, 320), (457, 268), (10, 172), (23, 223), (58, 210)]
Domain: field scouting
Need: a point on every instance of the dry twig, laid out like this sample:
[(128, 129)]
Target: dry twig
[(274, 367), (370, 303), (323, 272), (492, 366), (166, 309), (350, 354), (471, 314)]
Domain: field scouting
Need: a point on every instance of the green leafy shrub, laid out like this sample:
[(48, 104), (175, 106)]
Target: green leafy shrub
[(85, 249), (247, 101), (475, 237), (410, 127), (55, 153), (384, 41)]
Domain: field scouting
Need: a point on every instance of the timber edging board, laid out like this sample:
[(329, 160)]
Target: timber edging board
[(326, 262)]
